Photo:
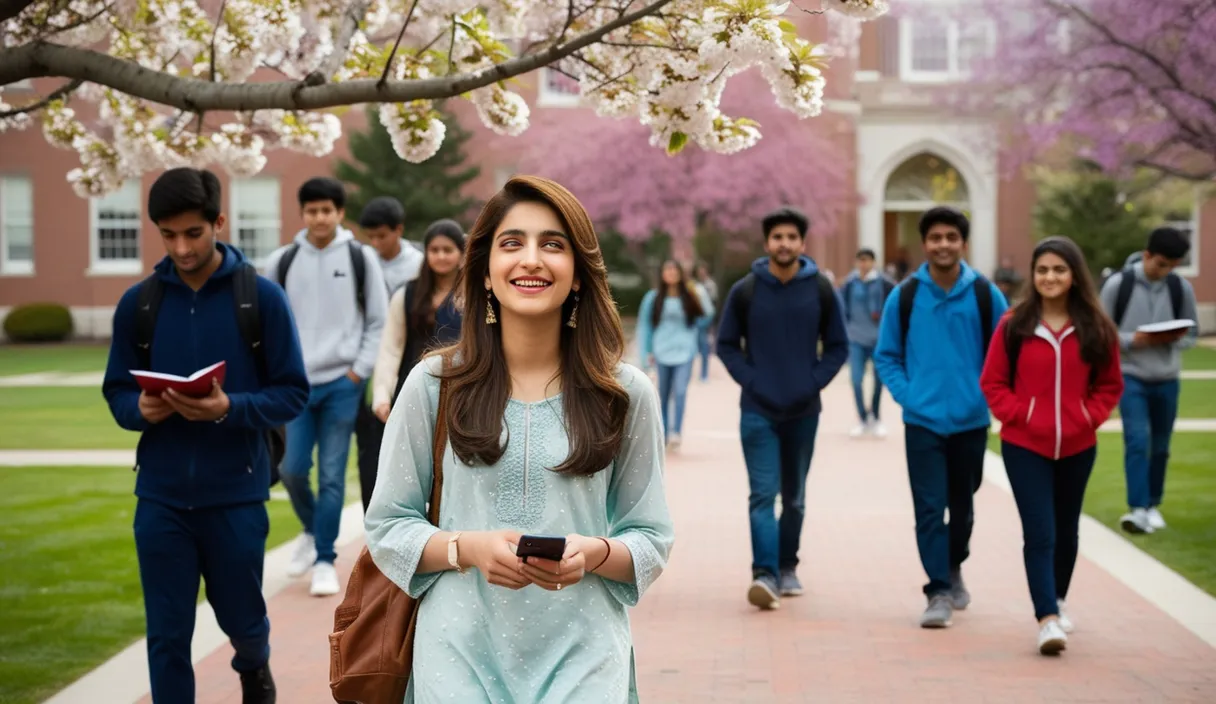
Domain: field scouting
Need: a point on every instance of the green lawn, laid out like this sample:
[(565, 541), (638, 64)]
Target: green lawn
[(59, 418), (1188, 545), (1199, 357), (71, 589), (1197, 398), (70, 357)]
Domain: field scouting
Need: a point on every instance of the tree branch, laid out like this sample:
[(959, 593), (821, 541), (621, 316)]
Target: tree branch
[(61, 92), (11, 8), (388, 65), (346, 31), (40, 59)]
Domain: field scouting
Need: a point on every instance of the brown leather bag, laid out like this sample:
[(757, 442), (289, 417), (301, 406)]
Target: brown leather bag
[(371, 650)]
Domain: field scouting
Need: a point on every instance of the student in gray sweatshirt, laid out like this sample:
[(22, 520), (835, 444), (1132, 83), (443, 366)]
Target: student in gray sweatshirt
[(863, 294), (340, 340), (1152, 364)]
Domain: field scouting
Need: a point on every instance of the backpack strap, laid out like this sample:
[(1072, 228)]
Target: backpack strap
[(248, 320), (147, 305), (1126, 285), (1013, 350), (907, 296), (1174, 283), (826, 296), (743, 302), (285, 261), (983, 299), (358, 263)]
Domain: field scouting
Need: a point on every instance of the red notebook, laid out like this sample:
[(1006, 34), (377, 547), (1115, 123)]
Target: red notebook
[(197, 384)]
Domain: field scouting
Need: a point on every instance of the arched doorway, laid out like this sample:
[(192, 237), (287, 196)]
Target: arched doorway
[(920, 182)]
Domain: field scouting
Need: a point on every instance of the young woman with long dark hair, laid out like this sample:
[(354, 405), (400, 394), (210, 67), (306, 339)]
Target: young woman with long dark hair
[(549, 434), (670, 320), (1052, 378), (422, 314)]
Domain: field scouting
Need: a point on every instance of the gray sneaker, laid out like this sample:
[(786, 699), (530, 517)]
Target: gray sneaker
[(960, 598), (938, 613), (790, 586), (763, 592)]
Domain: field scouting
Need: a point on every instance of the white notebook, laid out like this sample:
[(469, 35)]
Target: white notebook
[(1167, 326)]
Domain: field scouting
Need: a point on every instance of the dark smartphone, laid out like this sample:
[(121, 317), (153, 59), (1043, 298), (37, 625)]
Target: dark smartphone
[(543, 546)]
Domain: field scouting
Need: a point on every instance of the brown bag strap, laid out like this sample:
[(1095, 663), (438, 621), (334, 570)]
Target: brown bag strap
[(441, 444)]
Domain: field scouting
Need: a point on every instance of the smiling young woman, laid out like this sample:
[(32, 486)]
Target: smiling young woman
[(550, 434)]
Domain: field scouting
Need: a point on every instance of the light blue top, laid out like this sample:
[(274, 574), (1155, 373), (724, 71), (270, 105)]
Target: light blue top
[(936, 379), (674, 341), (479, 643)]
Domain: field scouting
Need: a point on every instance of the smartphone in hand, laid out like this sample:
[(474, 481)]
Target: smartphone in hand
[(543, 546)]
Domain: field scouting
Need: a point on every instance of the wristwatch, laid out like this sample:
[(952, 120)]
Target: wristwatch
[(454, 554)]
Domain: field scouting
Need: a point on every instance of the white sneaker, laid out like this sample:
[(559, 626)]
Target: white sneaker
[(324, 580), (1066, 623), (674, 441), (1155, 520), (303, 556), (859, 430), (1052, 638), (1136, 521), (879, 430)]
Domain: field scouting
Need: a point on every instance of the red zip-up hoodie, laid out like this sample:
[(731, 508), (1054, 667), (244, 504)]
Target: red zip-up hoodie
[(1052, 410)]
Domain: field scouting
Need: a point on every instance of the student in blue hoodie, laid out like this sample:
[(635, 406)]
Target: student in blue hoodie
[(864, 291), (203, 464), (934, 374), (772, 322), (340, 328)]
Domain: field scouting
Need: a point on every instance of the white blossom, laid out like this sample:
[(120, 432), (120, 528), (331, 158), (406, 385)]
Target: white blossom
[(861, 9)]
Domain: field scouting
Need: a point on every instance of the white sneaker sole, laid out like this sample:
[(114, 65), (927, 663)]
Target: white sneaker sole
[(1131, 526), (1053, 646), (762, 597), (324, 590)]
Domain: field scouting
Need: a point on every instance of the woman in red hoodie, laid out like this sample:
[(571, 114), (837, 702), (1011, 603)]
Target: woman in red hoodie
[(1051, 378)]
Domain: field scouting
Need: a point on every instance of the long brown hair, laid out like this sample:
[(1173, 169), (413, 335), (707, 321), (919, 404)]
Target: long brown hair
[(691, 302), (594, 403), (1094, 328)]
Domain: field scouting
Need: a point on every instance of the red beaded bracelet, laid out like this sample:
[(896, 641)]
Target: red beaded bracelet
[(609, 546)]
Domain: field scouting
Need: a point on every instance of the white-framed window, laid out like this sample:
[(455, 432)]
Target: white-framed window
[(1190, 228), (114, 225), (936, 49), (556, 89), (16, 226), (256, 216)]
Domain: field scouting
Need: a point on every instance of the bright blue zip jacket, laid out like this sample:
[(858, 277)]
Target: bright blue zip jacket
[(781, 370), (201, 464), (937, 378)]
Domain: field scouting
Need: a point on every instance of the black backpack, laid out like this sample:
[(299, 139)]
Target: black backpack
[(983, 300), (1127, 284), (245, 294), (357, 263), (747, 290)]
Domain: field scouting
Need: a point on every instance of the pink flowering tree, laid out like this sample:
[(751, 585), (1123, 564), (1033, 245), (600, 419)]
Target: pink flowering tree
[(638, 190), (1124, 83), (176, 82)]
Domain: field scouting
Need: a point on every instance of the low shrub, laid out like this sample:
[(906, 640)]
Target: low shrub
[(38, 322)]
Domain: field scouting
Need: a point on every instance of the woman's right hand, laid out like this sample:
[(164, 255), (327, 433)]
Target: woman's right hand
[(494, 556), (382, 410)]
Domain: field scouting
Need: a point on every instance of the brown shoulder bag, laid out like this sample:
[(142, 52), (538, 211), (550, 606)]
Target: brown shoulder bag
[(371, 650)]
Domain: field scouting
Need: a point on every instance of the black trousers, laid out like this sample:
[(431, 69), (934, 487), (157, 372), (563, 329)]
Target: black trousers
[(225, 547), (369, 431)]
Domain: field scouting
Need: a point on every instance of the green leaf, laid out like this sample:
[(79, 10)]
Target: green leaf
[(676, 143)]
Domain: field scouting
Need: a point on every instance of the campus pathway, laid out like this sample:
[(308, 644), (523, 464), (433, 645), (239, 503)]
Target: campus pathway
[(853, 637)]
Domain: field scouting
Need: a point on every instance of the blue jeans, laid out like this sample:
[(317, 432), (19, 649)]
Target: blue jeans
[(703, 348), (778, 456), (944, 471), (1148, 410), (327, 424), (1049, 494), (223, 546), (858, 356), (673, 381)]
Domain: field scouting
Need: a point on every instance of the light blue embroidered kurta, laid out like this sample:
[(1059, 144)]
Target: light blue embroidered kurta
[(477, 642)]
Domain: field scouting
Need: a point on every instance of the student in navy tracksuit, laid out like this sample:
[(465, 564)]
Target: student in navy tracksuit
[(203, 463), (782, 372), (934, 375)]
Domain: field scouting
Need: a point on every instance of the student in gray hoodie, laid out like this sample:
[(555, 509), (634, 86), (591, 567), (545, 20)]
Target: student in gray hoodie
[(1152, 365), (340, 343), (863, 294)]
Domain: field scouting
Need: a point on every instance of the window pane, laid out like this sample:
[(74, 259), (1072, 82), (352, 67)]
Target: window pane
[(17, 217), (118, 224), (973, 44), (930, 45), (258, 204)]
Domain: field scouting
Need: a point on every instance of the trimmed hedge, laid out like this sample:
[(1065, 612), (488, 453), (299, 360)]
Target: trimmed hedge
[(38, 322)]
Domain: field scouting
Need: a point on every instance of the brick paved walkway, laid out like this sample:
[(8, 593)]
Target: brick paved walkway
[(853, 637)]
